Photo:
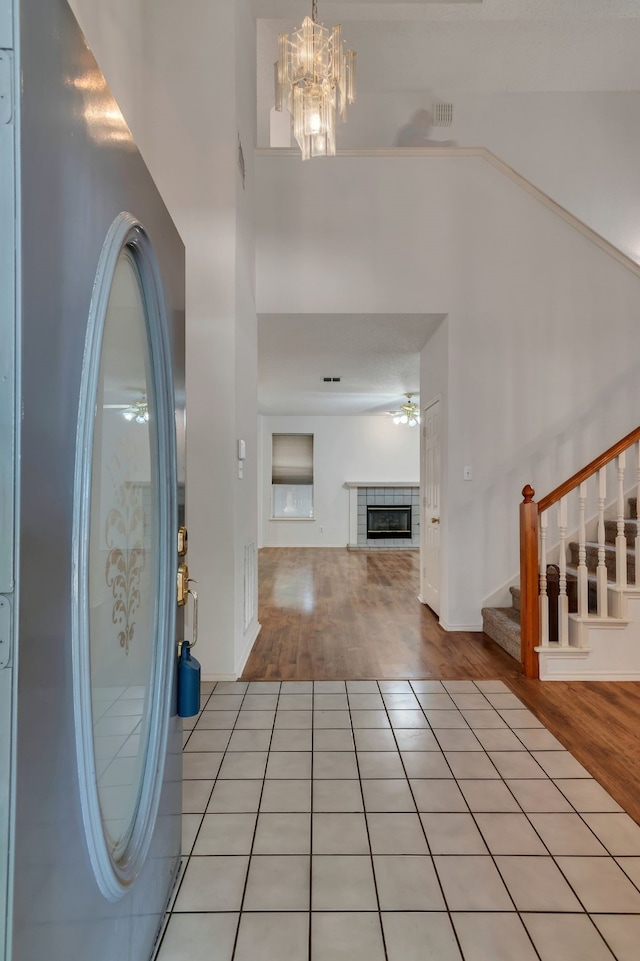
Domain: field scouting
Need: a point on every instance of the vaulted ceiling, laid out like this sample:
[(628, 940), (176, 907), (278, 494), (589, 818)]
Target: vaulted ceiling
[(413, 48)]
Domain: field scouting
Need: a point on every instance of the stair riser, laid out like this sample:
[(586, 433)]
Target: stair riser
[(515, 598), (502, 630), (609, 560), (630, 532)]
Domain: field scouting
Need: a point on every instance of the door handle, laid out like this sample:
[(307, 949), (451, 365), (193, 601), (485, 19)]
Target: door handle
[(194, 629)]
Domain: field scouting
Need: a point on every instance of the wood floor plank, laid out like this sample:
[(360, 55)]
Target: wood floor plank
[(333, 614)]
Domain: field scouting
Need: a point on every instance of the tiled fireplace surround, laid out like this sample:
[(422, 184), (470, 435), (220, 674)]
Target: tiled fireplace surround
[(393, 494)]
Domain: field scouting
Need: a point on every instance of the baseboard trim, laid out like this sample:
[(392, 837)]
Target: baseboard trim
[(244, 657), (468, 628), (240, 663)]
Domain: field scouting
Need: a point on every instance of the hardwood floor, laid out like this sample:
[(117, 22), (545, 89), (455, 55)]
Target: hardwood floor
[(337, 614), (333, 614)]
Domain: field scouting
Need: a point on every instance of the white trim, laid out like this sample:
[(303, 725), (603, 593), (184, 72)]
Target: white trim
[(473, 628), (244, 657), (382, 483), (289, 520)]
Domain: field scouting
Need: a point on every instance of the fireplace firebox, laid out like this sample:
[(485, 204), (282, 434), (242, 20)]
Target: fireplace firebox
[(388, 522)]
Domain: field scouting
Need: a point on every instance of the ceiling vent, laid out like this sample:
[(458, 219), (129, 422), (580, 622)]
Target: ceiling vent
[(442, 114), (331, 380)]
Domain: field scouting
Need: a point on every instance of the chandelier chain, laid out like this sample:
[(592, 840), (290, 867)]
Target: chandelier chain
[(314, 10)]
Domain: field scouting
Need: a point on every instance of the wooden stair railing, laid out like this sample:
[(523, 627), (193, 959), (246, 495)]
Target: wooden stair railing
[(534, 525)]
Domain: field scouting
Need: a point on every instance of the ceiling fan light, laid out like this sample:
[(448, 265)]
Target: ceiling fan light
[(138, 412), (408, 413)]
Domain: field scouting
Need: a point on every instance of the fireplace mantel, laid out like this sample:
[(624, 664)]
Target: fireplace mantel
[(381, 484)]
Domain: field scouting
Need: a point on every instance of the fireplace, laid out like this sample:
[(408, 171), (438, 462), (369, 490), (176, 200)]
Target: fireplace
[(386, 521)]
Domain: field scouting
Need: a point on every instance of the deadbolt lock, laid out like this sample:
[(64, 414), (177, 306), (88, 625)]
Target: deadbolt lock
[(183, 537), (183, 584)]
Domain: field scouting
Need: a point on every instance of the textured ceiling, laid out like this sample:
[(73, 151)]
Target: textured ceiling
[(345, 10), (377, 358)]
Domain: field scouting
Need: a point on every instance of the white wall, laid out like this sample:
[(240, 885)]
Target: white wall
[(186, 86), (555, 94), (543, 340), (344, 449)]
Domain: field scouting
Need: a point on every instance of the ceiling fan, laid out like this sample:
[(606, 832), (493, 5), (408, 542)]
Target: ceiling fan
[(408, 413), (137, 410)]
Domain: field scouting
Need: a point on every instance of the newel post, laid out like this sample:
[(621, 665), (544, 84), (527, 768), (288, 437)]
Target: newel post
[(529, 580)]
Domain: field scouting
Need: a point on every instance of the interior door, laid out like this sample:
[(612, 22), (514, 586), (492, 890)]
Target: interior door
[(100, 496), (431, 507)]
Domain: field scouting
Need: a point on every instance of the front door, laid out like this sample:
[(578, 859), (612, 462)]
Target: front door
[(99, 497), (431, 507)]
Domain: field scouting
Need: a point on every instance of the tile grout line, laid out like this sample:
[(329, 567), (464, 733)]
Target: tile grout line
[(491, 855), (500, 779), (313, 744), (433, 863), (366, 824), (255, 827), (553, 857), (184, 860), (526, 815)]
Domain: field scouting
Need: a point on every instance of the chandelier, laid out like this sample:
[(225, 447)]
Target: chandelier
[(408, 413), (315, 80)]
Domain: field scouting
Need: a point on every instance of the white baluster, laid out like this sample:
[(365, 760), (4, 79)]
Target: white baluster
[(543, 600), (637, 557), (583, 574), (601, 570), (621, 540), (563, 600)]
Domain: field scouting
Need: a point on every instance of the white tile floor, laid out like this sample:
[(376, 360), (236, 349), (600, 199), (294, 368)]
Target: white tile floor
[(395, 821)]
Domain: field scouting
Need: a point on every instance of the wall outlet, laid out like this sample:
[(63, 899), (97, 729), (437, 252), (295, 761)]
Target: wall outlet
[(467, 473), (322, 530)]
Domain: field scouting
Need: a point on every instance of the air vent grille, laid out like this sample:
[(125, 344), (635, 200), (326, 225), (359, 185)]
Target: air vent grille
[(442, 114)]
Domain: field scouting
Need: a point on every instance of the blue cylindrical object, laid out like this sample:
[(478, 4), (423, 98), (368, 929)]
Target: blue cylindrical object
[(188, 683)]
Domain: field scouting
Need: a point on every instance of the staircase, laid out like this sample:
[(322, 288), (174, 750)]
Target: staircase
[(502, 624)]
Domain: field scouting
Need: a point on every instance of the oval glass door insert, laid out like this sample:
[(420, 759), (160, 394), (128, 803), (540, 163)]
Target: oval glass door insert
[(125, 569), (123, 555)]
